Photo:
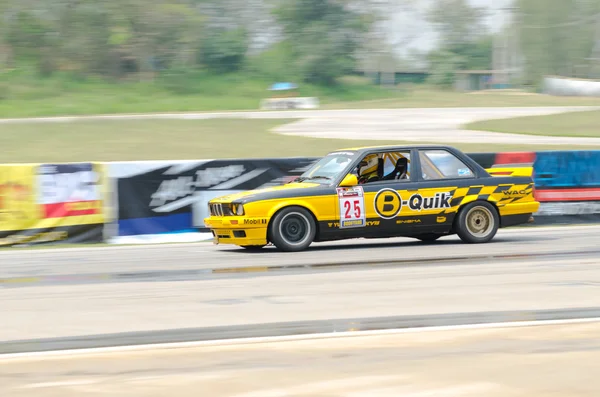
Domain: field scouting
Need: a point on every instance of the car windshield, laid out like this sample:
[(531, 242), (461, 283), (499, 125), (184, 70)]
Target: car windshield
[(327, 168)]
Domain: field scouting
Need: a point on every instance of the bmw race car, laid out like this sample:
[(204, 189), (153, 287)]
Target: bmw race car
[(422, 192)]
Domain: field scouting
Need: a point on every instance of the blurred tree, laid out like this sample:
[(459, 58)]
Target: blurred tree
[(464, 40), (557, 39), (112, 37), (323, 36), (457, 22), (224, 50), (154, 35), (443, 65), (31, 37)]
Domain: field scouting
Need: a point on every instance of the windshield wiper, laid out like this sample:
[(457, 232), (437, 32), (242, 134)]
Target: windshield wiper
[(305, 178), (297, 180)]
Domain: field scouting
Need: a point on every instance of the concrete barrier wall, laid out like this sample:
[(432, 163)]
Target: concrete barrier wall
[(166, 201), (563, 86)]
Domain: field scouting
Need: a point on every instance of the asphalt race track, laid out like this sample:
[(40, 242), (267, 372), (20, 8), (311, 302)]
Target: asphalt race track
[(68, 293), (430, 125), (537, 361)]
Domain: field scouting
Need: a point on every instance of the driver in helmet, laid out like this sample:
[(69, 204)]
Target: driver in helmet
[(367, 169)]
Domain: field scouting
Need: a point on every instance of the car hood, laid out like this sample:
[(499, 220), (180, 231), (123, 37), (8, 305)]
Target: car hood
[(250, 194)]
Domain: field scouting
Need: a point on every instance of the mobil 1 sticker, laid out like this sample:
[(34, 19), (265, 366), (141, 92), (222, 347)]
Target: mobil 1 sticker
[(418, 202)]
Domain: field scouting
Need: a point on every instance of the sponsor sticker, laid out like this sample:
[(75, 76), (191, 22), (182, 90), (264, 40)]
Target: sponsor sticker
[(417, 202), (515, 193), (388, 203), (255, 221), (352, 207), (368, 224), (464, 172), (407, 221)]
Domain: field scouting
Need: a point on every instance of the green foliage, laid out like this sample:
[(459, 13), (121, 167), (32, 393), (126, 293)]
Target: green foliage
[(24, 94), (476, 55), (442, 68), (464, 41), (275, 63), (324, 35), (457, 22), (224, 50)]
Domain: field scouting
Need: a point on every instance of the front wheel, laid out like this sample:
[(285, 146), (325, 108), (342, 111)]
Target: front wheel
[(477, 222), (293, 229)]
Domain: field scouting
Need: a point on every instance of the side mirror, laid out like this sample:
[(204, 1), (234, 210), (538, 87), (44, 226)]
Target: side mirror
[(349, 181)]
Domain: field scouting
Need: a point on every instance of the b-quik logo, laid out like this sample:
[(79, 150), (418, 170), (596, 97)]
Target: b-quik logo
[(387, 203), (417, 202)]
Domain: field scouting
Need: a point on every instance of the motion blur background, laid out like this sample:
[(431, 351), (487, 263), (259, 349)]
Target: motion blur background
[(225, 53), (84, 57), (483, 68)]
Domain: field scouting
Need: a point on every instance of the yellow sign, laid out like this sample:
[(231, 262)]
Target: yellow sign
[(43, 197)]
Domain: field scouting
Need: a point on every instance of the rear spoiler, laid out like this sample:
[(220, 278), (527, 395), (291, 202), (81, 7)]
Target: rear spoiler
[(520, 169)]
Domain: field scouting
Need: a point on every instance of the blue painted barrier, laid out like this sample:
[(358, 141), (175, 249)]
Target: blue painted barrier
[(567, 169)]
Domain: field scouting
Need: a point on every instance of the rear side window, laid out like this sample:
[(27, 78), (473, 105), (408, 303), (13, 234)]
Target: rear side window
[(441, 164)]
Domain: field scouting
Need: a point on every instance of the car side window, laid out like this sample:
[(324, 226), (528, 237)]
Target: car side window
[(385, 166), (441, 164)]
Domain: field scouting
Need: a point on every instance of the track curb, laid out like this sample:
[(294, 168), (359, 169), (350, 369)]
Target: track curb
[(299, 329)]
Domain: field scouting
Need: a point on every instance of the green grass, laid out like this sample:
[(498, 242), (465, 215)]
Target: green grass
[(422, 96), (173, 139), (23, 94), (576, 124)]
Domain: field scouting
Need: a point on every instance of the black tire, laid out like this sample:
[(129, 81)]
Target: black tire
[(477, 222), (292, 229), (253, 247), (430, 237)]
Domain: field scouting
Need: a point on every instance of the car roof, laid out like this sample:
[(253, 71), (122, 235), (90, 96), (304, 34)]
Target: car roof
[(398, 147)]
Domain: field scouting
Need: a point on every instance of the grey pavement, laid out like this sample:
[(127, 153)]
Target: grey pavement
[(204, 256), (434, 126), (63, 310), (537, 361)]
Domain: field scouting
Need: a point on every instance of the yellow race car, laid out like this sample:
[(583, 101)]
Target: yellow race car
[(422, 192)]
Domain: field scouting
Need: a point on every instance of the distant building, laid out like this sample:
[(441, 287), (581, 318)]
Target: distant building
[(477, 80)]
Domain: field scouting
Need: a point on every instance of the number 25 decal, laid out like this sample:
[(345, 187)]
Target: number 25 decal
[(352, 207), (348, 208)]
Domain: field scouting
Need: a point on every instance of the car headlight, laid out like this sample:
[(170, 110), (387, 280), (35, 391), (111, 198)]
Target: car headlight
[(239, 209)]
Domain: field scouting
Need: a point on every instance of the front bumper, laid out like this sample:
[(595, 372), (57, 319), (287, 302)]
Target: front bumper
[(238, 230)]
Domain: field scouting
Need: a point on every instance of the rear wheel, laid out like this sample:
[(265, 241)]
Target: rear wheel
[(477, 222), (293, 229)]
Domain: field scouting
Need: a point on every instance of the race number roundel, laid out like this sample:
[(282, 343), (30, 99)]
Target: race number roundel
[(387, 203)]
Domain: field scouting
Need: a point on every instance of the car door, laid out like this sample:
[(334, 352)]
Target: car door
[(444, 181), (378, 209)]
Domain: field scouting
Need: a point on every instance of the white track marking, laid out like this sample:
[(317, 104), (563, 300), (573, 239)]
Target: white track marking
[(274, 339), (77, 382)]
